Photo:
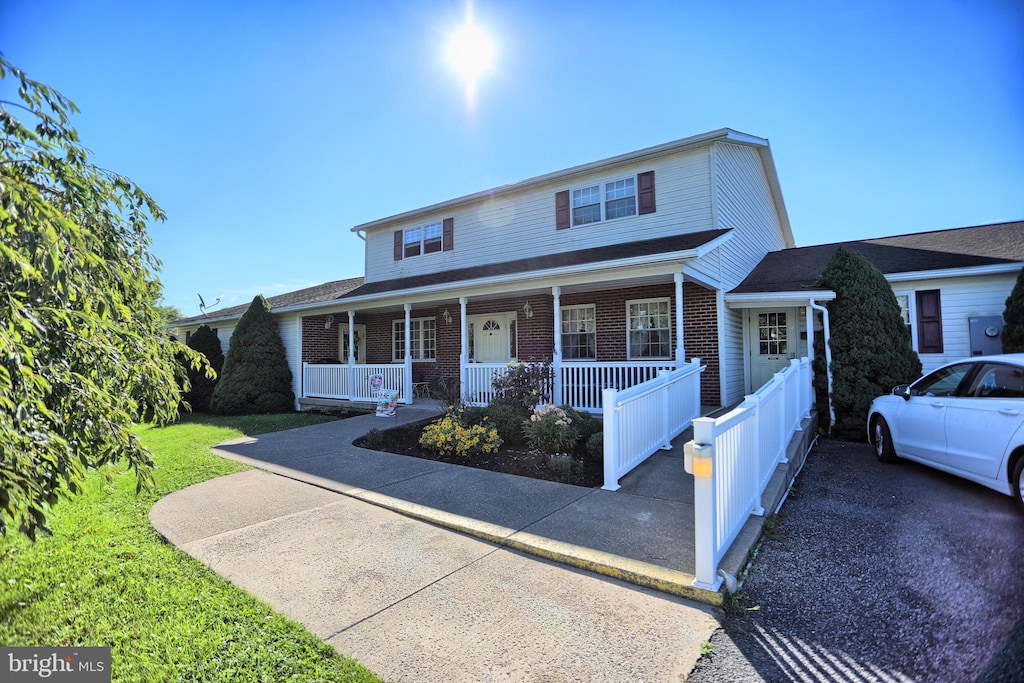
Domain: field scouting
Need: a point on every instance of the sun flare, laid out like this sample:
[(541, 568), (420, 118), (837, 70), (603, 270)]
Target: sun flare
[(470, 51)]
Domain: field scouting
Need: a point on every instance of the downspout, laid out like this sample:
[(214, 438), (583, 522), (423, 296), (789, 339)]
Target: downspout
[(828, 359)]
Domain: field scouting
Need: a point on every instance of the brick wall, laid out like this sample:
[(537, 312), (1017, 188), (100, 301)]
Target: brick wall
[(319, 344)]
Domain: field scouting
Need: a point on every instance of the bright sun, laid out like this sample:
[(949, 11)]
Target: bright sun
[(470, 52)]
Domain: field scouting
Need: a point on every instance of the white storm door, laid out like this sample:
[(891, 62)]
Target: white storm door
[(360, 339), (773, 343)]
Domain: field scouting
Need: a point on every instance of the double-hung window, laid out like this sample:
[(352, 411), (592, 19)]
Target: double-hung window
[(423, 336), (649, 328), (579, 332), (422, 240), (605, 201)]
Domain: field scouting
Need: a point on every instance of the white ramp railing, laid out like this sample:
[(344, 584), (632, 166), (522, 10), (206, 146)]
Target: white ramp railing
[(583, 381), (733, 457), (644, 418)]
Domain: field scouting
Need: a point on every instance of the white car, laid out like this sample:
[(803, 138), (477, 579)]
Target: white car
[(966, 418)]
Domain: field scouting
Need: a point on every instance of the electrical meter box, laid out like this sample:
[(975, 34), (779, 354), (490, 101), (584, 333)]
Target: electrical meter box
[(986, 334)]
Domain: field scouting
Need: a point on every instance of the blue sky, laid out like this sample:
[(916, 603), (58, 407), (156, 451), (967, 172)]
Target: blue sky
[(266, 130)]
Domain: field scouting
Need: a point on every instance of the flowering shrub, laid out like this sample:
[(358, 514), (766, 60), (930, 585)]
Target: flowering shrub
[(523, 385), (448, 436), (551, 431)]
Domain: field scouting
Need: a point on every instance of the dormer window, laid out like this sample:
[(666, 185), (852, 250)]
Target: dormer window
[(605, 201)]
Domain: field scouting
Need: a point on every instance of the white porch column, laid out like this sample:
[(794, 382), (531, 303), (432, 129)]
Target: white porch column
[(680, 342), (809, 316), (407, 382), (351, 353), (556, 354), (464, 344)]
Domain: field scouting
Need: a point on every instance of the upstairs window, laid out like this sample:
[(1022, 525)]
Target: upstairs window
[(605, 201), (425, 239)]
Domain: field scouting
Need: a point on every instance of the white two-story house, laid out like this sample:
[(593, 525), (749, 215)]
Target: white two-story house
[(609, 271)]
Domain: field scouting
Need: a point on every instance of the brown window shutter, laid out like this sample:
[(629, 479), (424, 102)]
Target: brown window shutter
[(562, 210), (929, 322), (645, 192), (399, 246), (448, 234)]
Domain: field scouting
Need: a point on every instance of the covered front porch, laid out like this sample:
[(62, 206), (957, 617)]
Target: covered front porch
[(594, 336)]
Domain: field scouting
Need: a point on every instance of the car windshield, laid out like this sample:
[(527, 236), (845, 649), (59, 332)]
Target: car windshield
[(942, 382)]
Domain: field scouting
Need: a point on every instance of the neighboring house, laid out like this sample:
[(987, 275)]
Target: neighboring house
[(951, 285), (611, 271)]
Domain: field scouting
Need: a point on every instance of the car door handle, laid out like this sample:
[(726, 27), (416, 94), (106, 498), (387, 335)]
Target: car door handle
[(1009, 411), (938, 404)]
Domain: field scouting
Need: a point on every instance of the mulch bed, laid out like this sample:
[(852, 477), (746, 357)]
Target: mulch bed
[(405, 440)]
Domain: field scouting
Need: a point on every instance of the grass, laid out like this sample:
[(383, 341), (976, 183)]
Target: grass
[(106, 577)]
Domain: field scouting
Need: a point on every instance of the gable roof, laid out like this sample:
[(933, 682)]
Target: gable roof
[(326, 291), (793, 270), (692, 142), (581, 257)]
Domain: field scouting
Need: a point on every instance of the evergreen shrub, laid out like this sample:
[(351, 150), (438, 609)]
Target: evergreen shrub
[(256, 378), (871, 350), (205, 341), (1013, 318)]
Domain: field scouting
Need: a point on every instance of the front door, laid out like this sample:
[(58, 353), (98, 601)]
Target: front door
[(490, 338), (773, 343), (360, 339)]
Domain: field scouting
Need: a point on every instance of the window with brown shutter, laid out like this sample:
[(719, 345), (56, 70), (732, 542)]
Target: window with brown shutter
[(562, 210), (399, 244), (645, 191), (929, 321)]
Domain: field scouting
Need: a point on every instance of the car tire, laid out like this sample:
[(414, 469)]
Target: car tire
[(1017, 483), (881, 437)]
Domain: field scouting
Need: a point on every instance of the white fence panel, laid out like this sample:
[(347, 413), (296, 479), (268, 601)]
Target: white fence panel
[(640, 420), (336, 381), (583, 382), (325, 381), (478, 390), (732, 459)]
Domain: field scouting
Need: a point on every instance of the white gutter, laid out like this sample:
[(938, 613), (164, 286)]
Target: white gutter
[(828, 359), (759, 299), (997, 269)]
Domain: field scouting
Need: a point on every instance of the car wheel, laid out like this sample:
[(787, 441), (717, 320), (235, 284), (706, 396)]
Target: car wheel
[(1017, 483), (883, 441)]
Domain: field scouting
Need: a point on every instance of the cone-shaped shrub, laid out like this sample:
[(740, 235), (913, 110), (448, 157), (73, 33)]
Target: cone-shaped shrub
[(205, 341), (256, 378), (871, 350), (1013, 317)]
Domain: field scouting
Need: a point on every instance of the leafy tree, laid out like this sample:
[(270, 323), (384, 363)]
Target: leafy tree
[(168, 314), (871, 350), (82, 352), (1013, 317), (256, 378), (205, 341)]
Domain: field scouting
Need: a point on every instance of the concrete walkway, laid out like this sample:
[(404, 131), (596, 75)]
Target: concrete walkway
[(341, 543)]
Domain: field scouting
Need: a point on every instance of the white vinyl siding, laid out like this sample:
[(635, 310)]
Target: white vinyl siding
[(743, 202), (961, 298), (522, 224), (730, 352), (288, 328)]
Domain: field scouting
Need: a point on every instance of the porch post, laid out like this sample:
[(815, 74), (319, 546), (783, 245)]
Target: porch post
[(407, 370), (809, 321), (556, 353), (680, 346), (464, 345), (351, 354)]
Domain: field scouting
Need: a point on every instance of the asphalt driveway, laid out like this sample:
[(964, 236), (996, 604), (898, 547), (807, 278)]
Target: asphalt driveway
[(876, 572)]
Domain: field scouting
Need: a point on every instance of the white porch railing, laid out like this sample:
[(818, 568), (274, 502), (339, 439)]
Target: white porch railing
[(733, 457), (646, 417), (478, 390), (583, 382), (351, 382)]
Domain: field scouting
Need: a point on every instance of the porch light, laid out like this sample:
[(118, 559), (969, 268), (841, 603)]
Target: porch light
[(328, 322), (527, 310), (447, 317)]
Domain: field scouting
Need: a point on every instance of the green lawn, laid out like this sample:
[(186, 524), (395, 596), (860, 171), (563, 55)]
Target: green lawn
[(106, 577)]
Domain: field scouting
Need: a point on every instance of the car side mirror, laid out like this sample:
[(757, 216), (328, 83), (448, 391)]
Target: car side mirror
[(903, 391)]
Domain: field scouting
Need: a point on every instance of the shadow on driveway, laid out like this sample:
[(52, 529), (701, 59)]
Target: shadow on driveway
[(877, 572)]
